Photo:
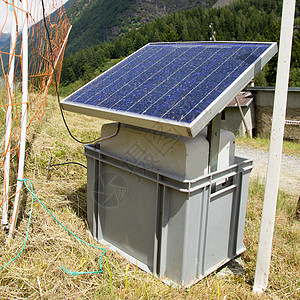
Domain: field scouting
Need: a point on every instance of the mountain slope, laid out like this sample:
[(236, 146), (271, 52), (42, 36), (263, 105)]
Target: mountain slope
[(221, 3), (4, 38), (245, 20), (95, 21)]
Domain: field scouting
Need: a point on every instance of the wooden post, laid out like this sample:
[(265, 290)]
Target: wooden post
[(275, 152), (243, 117)]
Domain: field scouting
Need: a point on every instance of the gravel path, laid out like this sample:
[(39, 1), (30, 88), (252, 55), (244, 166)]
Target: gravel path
[(290, 168)]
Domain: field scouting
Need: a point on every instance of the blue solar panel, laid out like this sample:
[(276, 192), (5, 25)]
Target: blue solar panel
[(183, 85)]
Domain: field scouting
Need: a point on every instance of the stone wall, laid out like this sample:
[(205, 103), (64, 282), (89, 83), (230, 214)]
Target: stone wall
[(263, 119), (264, 98)]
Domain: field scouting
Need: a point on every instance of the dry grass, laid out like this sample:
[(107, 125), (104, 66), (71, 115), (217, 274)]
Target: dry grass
[(288, 147), (36, 274)]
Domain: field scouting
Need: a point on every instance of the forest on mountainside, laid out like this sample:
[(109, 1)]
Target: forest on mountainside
[(96, 21), (242, 20)]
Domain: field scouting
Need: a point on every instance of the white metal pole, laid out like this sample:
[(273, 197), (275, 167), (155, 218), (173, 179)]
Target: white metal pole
[(275, 153), (13, 39), (23, 116)]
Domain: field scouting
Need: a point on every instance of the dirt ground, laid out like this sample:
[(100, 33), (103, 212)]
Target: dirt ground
[(289, 172)]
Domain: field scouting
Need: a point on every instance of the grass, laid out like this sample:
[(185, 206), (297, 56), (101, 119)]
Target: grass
[(36, 274), (289, 147)]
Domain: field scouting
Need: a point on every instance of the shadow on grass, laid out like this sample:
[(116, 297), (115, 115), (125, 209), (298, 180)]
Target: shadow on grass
[(22, 206), (25, 195), (77, 200)]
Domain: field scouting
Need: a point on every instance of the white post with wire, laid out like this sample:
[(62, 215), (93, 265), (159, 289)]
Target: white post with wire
[(23, 116), (275, 153), (10, 88)]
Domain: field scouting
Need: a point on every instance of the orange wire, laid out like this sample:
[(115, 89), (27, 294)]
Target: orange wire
[(40, 70)]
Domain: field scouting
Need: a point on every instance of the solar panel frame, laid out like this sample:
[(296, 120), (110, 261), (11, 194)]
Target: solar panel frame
[(166, 125)]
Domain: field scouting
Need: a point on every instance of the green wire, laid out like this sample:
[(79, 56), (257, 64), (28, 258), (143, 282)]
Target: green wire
[(26, 237), (33, 196)]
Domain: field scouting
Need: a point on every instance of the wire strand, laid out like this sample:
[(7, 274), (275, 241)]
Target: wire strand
[(69, 163), (33, 196), (98, 140)]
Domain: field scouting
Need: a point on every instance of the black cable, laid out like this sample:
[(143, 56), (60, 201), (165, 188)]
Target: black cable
[(98, 140), (49, 167), (69, 163)]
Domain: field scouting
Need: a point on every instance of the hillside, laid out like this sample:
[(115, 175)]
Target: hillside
[(244, 20), (4, 38), (95, 21), (221, 3)]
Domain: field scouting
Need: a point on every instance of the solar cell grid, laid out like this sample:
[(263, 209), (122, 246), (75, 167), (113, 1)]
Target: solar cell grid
[(172, 82)]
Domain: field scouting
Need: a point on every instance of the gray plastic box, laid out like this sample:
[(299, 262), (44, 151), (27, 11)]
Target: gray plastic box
[(172, 227)]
